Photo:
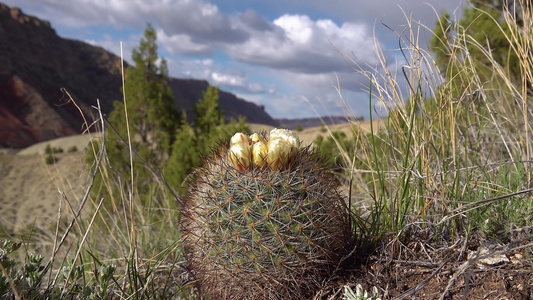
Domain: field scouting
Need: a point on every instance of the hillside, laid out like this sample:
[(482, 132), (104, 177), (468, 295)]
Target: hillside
[(312, 122), (30, 188), (37, 64)]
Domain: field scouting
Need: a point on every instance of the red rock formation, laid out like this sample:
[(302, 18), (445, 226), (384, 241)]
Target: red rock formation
[(36, 64)]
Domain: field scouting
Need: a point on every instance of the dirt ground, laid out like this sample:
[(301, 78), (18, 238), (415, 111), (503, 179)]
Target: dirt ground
[(31, 190), (476, 269), (308, 135)]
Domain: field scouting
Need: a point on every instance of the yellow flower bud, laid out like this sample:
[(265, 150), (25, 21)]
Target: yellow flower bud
[(278, 153), (259, 153), (239, 137), (256, 138), (239, 155)]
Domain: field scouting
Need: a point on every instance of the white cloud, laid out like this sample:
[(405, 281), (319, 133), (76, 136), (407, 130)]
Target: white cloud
[(182, 44), (111, 44), (236, 82), (301, 45), (298, 28), (255, 87), (388, 12), (290, 57), (292, 42), (253, 20), (200, 20), (224, 79), (190, 68)]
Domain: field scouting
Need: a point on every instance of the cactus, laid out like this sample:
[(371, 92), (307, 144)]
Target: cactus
[(263, 219)]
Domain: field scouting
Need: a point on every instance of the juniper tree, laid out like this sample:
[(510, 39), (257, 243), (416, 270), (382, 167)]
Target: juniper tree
[(485, 25), (183, 159), (208, 119), (152, 117), (192, 142)]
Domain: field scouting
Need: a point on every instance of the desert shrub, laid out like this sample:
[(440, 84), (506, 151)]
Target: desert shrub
[(50, 159), (323, 128)]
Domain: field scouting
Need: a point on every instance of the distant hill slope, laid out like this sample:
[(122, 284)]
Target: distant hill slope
[(188, 91), (312, 122), (35, 63)]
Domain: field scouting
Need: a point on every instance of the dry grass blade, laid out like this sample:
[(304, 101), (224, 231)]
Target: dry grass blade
[(419, 286), (84, 199), (146, 164), (477, 204), (82, 242)]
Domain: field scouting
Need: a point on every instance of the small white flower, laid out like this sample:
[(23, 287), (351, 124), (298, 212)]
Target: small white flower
[(287, 135), (239, 137), (278, 152)]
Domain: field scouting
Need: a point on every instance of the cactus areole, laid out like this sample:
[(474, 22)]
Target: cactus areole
[(263, 219)]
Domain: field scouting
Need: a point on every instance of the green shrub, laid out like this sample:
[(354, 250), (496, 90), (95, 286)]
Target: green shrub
[(72, 149), (50, 159)]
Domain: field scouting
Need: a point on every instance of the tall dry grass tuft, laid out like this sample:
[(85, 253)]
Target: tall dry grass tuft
[(454, 153), (116, 245), (136, 233)]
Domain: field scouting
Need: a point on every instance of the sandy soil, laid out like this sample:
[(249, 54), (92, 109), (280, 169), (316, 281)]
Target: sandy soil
[(31, 190), (308, 135)]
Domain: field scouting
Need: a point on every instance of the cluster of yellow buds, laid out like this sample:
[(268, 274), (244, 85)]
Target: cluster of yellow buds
[(246, 151)]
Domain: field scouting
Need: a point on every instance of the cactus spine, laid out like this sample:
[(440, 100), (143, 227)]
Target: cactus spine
[(263, 219)]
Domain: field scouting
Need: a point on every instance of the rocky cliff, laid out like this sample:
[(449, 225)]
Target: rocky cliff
[(36, 64)]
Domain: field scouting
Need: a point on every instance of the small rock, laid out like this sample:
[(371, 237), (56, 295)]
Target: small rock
[(487, 256)]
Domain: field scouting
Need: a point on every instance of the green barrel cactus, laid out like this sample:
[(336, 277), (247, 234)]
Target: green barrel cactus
[(264, 219)]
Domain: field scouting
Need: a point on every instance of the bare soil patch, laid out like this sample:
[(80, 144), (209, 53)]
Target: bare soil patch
[(475, 269), (308, 135), (31, 190)]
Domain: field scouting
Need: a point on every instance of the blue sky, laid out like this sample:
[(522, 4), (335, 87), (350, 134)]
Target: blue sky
[(289, 56)]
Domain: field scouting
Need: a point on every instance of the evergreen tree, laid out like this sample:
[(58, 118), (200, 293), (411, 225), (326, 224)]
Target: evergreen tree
[(484, 22), (193, 142), (153, 119), (183, 159), (208, 119)]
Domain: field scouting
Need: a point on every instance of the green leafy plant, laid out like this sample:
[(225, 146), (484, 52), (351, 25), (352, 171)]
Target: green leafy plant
[(323, 127), (360, 294), (50, 159), (337, 147), (16, 280), (50, 154)]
